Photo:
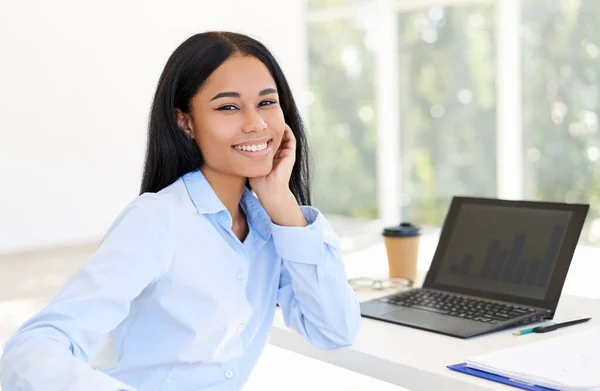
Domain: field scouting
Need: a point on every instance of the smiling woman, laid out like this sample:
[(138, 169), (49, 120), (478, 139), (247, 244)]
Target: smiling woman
[(243, 88), (182, 291)]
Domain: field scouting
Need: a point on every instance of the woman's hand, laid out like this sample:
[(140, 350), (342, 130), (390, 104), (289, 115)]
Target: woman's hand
[(277, 182), (273, 190)]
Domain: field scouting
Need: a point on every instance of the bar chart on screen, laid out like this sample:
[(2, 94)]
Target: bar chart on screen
[(508, 251), (506, 264)]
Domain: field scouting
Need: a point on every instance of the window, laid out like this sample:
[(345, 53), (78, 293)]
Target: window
[(447, 103), (491, 97), (342, 117), (561, 100), (316, 4)]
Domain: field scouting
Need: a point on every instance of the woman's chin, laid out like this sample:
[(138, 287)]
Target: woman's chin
[(255, 172)]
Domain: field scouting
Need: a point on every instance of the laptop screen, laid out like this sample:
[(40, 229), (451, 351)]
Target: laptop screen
[(503, 249)]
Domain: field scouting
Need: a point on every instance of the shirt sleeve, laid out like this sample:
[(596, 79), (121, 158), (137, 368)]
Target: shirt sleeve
[(52, 350), (314, 293)]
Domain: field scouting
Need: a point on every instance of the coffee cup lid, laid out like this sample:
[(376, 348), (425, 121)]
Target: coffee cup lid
[(402, 230)]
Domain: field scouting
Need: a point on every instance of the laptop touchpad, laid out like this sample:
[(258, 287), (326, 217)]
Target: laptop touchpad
[(376, 308), (431, 320), (421, 318)]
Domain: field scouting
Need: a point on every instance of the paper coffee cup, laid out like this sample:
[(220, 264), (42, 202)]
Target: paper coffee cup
[(402, 247)]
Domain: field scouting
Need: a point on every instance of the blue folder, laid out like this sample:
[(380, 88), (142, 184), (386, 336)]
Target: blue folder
[(497, 378)]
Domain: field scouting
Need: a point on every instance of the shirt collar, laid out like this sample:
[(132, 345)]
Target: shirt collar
[(202, 194), (256, 214), (206, 201)]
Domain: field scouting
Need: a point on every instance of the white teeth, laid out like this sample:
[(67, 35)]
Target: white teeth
[(251, 148)]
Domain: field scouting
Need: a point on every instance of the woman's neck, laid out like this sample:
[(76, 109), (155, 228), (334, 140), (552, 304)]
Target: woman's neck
[(228, 188)]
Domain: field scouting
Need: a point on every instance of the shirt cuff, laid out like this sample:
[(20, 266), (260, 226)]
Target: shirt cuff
[(305, 244)]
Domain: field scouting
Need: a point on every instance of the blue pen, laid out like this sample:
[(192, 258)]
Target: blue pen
[(553, 326)]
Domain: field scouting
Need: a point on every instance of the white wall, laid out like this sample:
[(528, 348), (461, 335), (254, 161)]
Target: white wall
[(76, 82)]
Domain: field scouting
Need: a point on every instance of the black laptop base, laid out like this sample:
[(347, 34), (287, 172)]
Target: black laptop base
[(443, 323)]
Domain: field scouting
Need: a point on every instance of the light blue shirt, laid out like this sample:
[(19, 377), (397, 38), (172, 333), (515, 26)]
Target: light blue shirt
[(173, 301)]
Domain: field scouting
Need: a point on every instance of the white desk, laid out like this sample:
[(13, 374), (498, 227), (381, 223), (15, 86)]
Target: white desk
[(417, 359)]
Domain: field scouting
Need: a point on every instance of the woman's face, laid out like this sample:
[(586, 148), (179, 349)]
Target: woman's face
[(236, 119)]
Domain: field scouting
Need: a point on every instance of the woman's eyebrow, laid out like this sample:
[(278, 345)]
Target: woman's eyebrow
[(226, 95), (268, 91), (231, 94)]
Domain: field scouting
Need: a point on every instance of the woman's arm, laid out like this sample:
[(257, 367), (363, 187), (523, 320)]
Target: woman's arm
[(314, 293), (51, 351)]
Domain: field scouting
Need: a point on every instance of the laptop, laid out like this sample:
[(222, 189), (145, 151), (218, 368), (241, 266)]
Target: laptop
[(498, 264)]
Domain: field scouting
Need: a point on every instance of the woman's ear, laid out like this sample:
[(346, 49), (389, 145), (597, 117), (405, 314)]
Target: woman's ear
[(184, 121)]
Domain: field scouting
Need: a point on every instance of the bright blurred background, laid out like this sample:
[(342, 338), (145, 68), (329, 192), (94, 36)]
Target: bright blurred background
[(408, 103)]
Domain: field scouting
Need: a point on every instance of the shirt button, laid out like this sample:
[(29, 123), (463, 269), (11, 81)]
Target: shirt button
[(240, 275), (240, 327), (229, 374)]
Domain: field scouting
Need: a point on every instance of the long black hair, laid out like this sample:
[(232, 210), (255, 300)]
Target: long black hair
[(170, 153)]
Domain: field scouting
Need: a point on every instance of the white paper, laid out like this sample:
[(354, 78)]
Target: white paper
[(570, 362)]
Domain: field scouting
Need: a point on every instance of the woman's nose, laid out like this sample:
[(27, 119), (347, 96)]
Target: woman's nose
[(254, 122)]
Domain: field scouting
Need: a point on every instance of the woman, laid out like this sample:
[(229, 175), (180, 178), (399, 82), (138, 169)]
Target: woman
[(186, 281)]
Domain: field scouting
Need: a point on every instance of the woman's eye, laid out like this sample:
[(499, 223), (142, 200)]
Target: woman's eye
[(227, 108), (266, 103)]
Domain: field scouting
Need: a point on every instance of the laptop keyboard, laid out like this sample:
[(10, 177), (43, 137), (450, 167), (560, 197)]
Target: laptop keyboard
[(459, 306)]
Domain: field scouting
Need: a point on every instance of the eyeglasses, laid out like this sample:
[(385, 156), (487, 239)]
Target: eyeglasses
[(376, 284)]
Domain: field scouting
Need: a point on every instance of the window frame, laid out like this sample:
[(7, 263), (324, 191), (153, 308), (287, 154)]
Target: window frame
[(509, 130)]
